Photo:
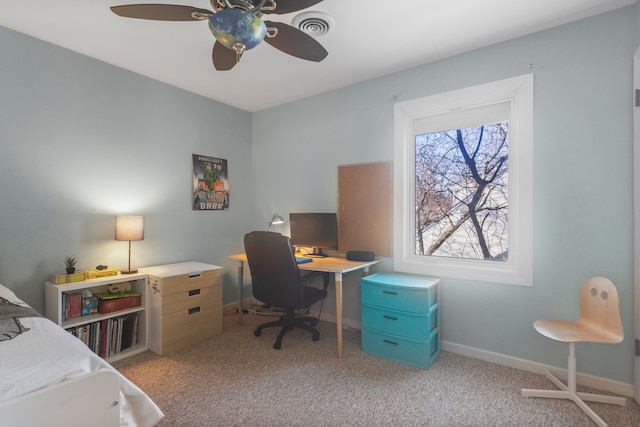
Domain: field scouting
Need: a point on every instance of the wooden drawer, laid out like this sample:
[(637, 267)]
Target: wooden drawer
[(190, 326), (185, 304), (192, 298), (184, 282)]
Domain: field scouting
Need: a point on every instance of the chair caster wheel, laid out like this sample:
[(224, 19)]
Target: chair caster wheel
[(315, 337), (257, 332), (277, 346)]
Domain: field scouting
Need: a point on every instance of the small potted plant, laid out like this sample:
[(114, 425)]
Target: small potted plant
[(70, 264)]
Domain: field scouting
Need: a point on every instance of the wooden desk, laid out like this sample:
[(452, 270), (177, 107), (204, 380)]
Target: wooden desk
[(335, 265)]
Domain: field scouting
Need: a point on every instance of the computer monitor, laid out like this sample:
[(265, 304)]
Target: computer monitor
[(316, 230)]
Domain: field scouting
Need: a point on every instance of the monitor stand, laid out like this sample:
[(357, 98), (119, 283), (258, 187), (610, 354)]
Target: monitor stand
[(317, 253)]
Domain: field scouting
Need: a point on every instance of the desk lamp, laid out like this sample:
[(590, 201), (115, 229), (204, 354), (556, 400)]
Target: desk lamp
[(129, 227), (276, 220)]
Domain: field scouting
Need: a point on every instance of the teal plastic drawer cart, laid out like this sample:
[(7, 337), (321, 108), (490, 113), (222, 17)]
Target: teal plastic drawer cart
[(401, 318)]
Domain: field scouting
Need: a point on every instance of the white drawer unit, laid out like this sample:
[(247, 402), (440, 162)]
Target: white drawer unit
[(401, 318), (185, 304)]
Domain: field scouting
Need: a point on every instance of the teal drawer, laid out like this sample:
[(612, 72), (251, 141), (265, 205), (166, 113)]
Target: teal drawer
[(413, 353), (402, 293), (400, 323)]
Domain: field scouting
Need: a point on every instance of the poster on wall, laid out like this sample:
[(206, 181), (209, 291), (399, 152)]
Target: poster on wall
[(210, 184)]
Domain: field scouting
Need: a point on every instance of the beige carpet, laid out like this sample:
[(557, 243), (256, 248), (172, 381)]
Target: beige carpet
[(237, 379)]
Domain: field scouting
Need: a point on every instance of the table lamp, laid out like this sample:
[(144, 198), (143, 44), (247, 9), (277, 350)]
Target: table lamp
[(129, 228)]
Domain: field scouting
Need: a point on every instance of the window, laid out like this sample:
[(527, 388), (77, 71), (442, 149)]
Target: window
[(463, 183)]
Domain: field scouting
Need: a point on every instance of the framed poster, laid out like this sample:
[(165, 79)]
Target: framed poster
[(210, 184)]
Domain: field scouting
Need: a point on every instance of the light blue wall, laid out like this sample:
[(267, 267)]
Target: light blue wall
[(81, 141), (582, 177)]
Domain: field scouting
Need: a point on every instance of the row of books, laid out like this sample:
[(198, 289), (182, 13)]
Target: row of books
[(110, 336)]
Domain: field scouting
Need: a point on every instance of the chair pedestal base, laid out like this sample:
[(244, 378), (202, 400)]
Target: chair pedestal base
[(288, 322), (569, 392)]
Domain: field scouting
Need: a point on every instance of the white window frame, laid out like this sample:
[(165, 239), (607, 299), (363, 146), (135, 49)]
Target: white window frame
[(518, 269)]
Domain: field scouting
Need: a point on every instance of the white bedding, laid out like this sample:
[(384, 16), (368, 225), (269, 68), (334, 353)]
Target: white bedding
[(47, 354)]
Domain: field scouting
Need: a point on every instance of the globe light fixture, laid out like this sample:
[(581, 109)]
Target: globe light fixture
[(237, 29)]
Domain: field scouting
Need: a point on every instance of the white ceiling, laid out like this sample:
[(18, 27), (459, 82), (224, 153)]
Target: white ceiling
[(370, 38)]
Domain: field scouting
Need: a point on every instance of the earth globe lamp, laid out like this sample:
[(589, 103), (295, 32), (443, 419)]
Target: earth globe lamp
[(237, 29)]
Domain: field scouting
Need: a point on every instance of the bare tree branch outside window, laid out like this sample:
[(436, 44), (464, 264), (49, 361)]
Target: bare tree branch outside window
[(461, 193)]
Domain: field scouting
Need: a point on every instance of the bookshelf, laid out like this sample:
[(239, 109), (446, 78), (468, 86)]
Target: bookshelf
[(103, 333)]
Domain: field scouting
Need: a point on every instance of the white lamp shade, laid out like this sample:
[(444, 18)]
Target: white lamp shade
[(129, 227)]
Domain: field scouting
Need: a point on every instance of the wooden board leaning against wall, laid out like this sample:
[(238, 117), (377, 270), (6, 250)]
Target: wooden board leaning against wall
[(365, 207)]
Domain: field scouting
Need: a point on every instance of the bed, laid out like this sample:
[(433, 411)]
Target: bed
[(49, 377)]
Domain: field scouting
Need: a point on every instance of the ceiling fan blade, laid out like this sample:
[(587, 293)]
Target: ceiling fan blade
[(224, 58), (161, 12), (295, 42), (288, 6)]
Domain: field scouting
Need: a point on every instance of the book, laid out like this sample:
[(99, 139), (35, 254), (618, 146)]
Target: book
[(127, 332), (94, 274), (60, 278)]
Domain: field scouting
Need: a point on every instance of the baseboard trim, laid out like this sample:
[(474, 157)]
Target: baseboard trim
[(617, 387), (586, 380)]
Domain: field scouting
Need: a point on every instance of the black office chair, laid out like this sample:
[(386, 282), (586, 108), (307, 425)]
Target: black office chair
[(276, 281)]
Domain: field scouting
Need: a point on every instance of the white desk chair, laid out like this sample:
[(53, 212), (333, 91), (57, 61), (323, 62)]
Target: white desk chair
[(599, 322)]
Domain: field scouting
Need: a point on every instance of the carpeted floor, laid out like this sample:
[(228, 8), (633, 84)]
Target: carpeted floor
[(237, 379)]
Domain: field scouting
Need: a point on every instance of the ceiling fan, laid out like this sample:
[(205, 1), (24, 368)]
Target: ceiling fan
[(237, 26)]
